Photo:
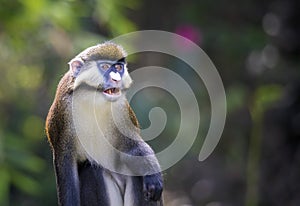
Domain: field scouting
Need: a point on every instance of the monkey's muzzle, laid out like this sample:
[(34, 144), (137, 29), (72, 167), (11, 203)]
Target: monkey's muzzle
[(112, 94), (112, 91)]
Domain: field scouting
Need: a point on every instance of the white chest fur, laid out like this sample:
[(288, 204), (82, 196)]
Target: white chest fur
[(92, 121)]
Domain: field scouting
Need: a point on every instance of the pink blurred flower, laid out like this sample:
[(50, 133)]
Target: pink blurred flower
[(190, 32)]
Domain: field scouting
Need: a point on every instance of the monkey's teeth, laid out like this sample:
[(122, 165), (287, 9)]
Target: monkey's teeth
[(112, 91)]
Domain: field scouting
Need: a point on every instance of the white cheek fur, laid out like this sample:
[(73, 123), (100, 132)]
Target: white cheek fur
[(127, 81), (89, 76)]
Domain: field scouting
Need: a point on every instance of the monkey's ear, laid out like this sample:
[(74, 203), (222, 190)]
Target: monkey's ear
[(75, 66)]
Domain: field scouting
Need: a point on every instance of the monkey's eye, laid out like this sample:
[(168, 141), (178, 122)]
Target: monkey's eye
[(119, 67), (105, 66)]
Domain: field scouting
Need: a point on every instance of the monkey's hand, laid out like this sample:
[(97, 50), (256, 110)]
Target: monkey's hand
[(153, 186)]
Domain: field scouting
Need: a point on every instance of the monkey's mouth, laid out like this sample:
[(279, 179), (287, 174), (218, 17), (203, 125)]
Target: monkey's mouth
[(112, 91), (112, 94)]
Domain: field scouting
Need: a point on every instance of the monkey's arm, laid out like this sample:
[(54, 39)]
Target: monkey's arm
[(147, 165), (64, 160), (67, 179), (141, 161), (152, 187)]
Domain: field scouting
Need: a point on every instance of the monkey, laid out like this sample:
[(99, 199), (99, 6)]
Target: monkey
[(99, 156)]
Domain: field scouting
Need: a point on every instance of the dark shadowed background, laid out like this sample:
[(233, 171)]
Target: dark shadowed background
[(255, 46)]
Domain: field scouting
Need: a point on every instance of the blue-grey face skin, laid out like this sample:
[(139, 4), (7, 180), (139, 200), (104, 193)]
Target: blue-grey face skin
[(112, 72)]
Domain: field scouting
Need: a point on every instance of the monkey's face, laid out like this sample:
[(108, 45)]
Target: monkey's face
[(114, 75), (108, 77)]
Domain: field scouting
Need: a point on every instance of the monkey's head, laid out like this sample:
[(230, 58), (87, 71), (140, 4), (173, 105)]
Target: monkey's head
[(102, 68)]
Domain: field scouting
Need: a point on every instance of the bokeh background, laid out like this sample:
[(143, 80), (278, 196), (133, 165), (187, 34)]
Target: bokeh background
[(255, 46)]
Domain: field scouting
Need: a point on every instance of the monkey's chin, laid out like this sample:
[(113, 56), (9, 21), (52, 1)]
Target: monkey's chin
[(112, 94)]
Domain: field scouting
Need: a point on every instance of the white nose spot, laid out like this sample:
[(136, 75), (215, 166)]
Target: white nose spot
[(115, 76)]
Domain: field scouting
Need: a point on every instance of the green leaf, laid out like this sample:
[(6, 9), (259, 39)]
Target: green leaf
[(4, 186), (25, 183)]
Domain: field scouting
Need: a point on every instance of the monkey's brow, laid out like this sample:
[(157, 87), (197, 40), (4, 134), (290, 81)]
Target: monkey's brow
[(122, 60), (106, 62)]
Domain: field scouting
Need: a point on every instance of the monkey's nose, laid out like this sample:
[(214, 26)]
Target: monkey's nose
[(115, 76)]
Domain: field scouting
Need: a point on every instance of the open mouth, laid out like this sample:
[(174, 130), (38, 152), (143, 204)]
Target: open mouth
[(112, 91)]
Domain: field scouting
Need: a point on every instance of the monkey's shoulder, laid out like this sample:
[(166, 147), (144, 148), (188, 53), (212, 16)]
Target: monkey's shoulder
[(58, 119), (65, 85)]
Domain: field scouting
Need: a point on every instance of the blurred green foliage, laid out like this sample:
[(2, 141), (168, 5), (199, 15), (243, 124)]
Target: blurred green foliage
[(36, 40), (264, 97)]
